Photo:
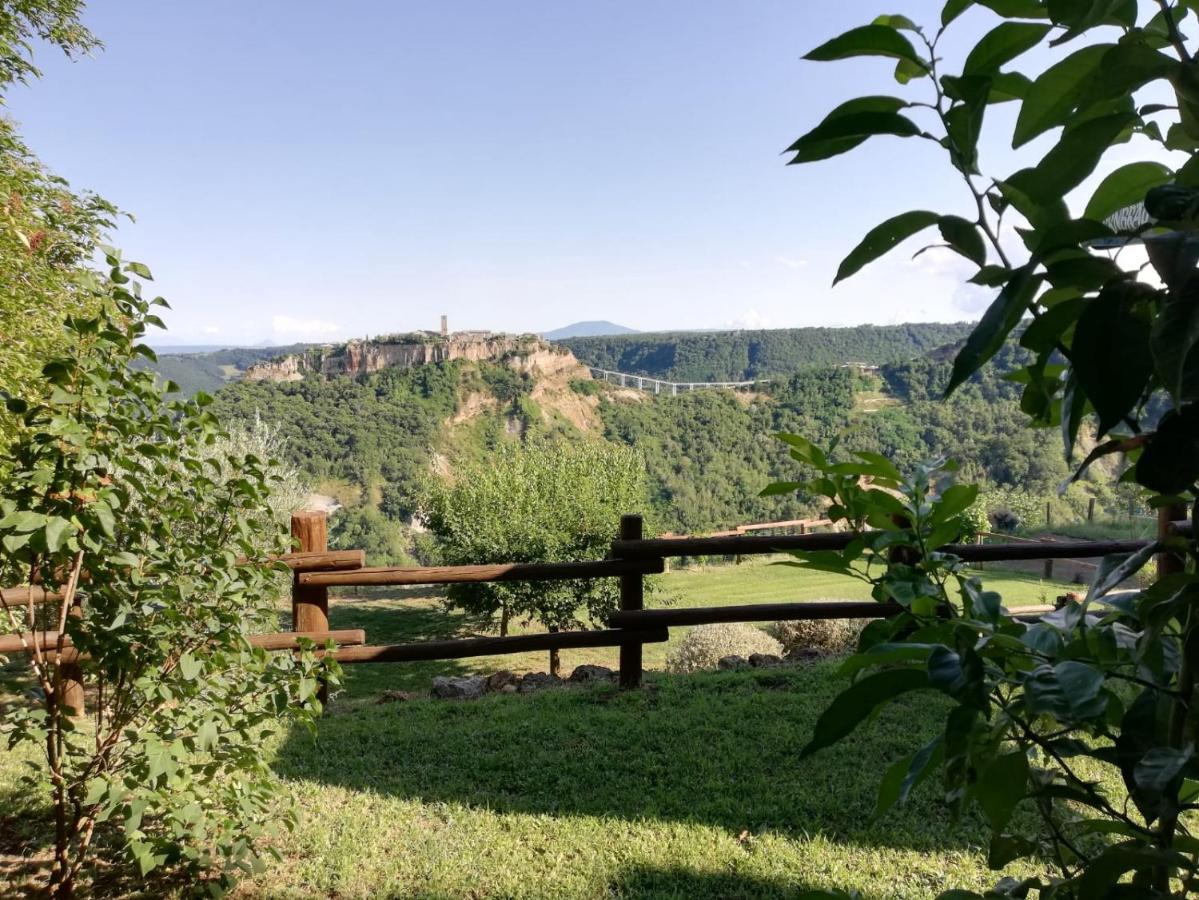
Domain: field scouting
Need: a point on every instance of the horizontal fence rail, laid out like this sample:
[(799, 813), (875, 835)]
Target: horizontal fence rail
[(757, 545), (277, 640), (489, 646), (315, 569), (558, 571), (672, 617), (21, 596)]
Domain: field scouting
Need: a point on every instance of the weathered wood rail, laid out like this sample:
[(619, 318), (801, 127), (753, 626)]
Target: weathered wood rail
[(632, 557)]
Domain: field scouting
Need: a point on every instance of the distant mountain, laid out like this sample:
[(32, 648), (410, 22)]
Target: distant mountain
[(587, 329)]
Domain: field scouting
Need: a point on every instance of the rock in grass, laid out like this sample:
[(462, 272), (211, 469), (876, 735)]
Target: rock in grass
[(458, 688), (497, 681), (764, 660), (729, 663), (589, 674), (803, 654), (535, 681)]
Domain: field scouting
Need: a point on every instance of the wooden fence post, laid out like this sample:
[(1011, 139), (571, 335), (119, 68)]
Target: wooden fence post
[(72, 677), (310, 603), (1169, 563), (1091, 509), (632, 596)]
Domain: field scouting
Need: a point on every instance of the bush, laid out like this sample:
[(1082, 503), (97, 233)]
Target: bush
[(828, 635), (706, 645)]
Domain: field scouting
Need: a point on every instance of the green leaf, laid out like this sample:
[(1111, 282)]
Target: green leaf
[(884, 237), (1055, 93), (1116, 568), (58, 530), (902, 23), (810, 149), (886, 654), (904, 775), (1127, 185), (858, 701), (23, 521), (963, 236), (1001, 45), (954, 500), (1159, 767), (1068, 691), (964, 120), (1173, 339), (1124, 69), (207, 736), (1001, 317), (1074, 157), (1111, 358), (868, 40), (140, 269), (1002, 783), (189, 666), (953, 9), (780, 488)]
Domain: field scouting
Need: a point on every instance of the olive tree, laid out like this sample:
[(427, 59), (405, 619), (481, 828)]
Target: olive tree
[(537, 503), (1109, 686)]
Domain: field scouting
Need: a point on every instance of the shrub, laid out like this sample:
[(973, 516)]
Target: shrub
[(706, 645), (155, 544), (828, 635)]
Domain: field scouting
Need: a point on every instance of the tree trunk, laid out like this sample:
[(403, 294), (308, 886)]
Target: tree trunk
[(505, 615), (555, 659)]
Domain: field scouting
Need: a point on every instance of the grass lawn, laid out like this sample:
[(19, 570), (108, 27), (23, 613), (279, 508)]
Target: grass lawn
[(689, 788)]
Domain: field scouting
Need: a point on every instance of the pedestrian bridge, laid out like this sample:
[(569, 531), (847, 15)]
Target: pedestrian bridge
[(658, 386)]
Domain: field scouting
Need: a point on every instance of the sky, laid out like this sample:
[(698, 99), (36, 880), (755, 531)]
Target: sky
[(311, 171)]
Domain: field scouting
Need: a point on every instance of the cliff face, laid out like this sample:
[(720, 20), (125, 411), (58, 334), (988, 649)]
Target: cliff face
[(361, 357)]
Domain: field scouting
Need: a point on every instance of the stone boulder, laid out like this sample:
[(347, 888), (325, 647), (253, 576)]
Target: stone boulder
[(497, 681), (536, 681), (764, 660), (731, 663), (459, 688), (802, 654), (589, 674)]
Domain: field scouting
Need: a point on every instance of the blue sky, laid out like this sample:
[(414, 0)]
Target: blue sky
[(309, 171)]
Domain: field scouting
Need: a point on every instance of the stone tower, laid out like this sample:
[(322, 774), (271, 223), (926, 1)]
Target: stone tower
[(445, 325)]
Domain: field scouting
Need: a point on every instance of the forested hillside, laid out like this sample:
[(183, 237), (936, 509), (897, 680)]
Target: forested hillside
[(747, 355), (373, 441), (211, 371)]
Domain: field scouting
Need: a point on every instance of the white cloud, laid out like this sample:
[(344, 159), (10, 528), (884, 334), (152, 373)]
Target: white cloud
[(211, 329), (289, 327), (791, 262), (752, 320)]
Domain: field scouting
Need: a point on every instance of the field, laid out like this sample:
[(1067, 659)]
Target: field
[(690, 788)]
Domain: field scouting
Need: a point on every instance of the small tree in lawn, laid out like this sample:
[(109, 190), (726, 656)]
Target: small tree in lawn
[(1108, 687), (157, 547), (537, 503)]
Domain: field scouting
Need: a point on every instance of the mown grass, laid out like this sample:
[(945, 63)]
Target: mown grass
[(689, 788)]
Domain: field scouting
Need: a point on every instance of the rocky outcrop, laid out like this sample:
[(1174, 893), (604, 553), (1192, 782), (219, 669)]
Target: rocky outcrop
[(523, 352)]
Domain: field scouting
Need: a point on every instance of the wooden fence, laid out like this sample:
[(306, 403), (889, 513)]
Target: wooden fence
[(632, 557)]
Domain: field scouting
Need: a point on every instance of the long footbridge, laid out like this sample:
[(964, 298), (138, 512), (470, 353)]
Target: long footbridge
[(658, 386)]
